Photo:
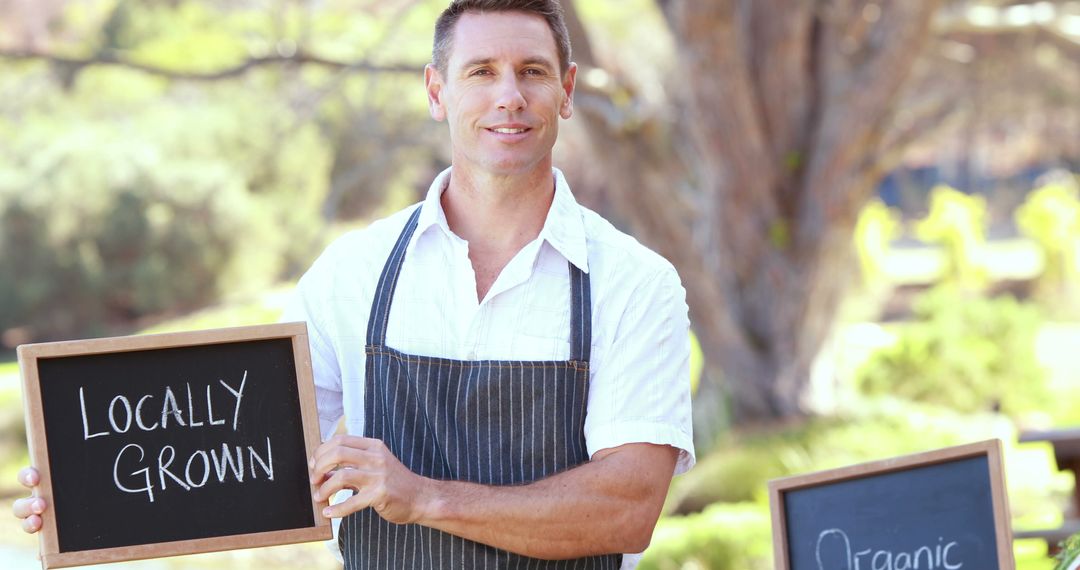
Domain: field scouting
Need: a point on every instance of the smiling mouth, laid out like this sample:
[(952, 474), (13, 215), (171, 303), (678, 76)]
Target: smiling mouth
[(507, 131)]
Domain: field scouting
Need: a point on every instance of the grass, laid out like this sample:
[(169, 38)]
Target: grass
[(261, 309)]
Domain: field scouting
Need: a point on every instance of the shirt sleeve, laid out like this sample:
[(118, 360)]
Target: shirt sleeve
[(640, 376), (307, 305)]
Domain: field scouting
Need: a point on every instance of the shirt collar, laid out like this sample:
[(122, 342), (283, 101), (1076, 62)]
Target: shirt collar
[(564, 228), (431, 210)]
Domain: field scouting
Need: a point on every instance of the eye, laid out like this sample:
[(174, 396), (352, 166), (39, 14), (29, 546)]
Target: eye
[(536, 71), (480, 72)]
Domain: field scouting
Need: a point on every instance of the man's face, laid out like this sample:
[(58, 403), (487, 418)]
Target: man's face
[(501, 92)]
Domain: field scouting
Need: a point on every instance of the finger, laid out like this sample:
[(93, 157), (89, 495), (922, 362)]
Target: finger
[(28, 506), (357, 502), (340, 457), (331, 463), (29, 477), (31, 524), (352, 479), (341, 441)]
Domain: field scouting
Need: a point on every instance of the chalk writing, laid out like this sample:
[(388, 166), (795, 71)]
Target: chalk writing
[(131, 471), (197, 469), (120, 415), (834, 547)]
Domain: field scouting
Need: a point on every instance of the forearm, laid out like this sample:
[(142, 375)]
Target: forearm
[(609, 505)]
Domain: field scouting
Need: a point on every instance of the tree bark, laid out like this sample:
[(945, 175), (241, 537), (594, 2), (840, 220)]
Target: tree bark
[(753, 186)]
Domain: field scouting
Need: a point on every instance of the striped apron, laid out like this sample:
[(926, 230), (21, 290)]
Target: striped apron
[(494, 422)]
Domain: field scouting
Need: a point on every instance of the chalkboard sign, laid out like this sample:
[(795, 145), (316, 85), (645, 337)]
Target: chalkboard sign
[(171, 444), (940, 510)]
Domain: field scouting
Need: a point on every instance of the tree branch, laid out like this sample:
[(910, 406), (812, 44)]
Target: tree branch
[(919, 126), (109, 57)]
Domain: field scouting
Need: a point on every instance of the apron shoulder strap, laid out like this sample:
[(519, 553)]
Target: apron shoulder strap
[(384, 292), (580, 314)]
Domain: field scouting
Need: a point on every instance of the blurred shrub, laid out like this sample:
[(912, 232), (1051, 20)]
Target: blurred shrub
[(875, 229), (738, 470), (737, 474), (124, 258), (723, 537), (104, 222), (957, 222), (964, 352), (1051, 217), (1069, 553)]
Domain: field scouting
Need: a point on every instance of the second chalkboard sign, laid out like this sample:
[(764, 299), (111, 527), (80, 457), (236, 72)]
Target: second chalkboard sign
[(172, 444), (940, 510)]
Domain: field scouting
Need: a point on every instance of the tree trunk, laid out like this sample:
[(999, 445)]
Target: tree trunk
[(753, 186)]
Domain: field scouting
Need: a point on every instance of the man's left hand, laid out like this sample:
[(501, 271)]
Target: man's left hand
[(369, 468)]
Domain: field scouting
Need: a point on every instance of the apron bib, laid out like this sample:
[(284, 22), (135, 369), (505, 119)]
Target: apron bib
[(493, 422)]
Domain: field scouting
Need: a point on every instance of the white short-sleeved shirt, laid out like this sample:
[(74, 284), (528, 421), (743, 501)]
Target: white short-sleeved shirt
[(639, 390)]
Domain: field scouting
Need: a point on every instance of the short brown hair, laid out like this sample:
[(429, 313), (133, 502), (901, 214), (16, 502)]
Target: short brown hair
[(550, 10)]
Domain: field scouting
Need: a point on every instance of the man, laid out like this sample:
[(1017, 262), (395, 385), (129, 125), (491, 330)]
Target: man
[(513, 371)]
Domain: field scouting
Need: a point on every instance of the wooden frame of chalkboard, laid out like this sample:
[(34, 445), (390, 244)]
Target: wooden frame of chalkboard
[(286, 344), (986, 453)]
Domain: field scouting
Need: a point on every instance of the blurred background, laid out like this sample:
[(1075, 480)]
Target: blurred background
[(873, 206)]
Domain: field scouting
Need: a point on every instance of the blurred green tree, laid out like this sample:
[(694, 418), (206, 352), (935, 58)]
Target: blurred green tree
[(957, 222), (966, 353), (875, 229), (1051, 217), (157, 155)]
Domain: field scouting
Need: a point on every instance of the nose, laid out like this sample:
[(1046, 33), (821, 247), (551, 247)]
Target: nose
[(510, 97)]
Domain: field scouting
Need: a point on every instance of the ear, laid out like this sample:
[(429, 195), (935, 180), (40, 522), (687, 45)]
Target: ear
[(566, 110), (434, 82)]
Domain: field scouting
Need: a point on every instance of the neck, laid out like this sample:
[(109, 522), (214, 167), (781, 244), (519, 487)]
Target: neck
[(498, 214)]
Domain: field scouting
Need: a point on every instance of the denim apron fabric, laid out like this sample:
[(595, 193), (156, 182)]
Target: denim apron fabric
[(493, 422)]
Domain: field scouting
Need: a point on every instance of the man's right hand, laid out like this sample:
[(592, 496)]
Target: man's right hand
[(29, 509)]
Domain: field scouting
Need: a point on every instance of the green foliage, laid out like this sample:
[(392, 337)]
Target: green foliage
[(119, 258), (723, 537), (736, 475), (779, 234), (105, 221), (1070, 551), (697, 362), (1051, 217), (957, 222), (124, 194), (738, 470), (875, 229), (266, 308), (964, 352), (1031, 554)]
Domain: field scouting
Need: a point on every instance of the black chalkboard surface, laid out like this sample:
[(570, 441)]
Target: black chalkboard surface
[(173, 444), (945, 509)]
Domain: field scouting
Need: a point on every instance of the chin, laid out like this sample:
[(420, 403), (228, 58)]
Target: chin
[(511, 167)]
